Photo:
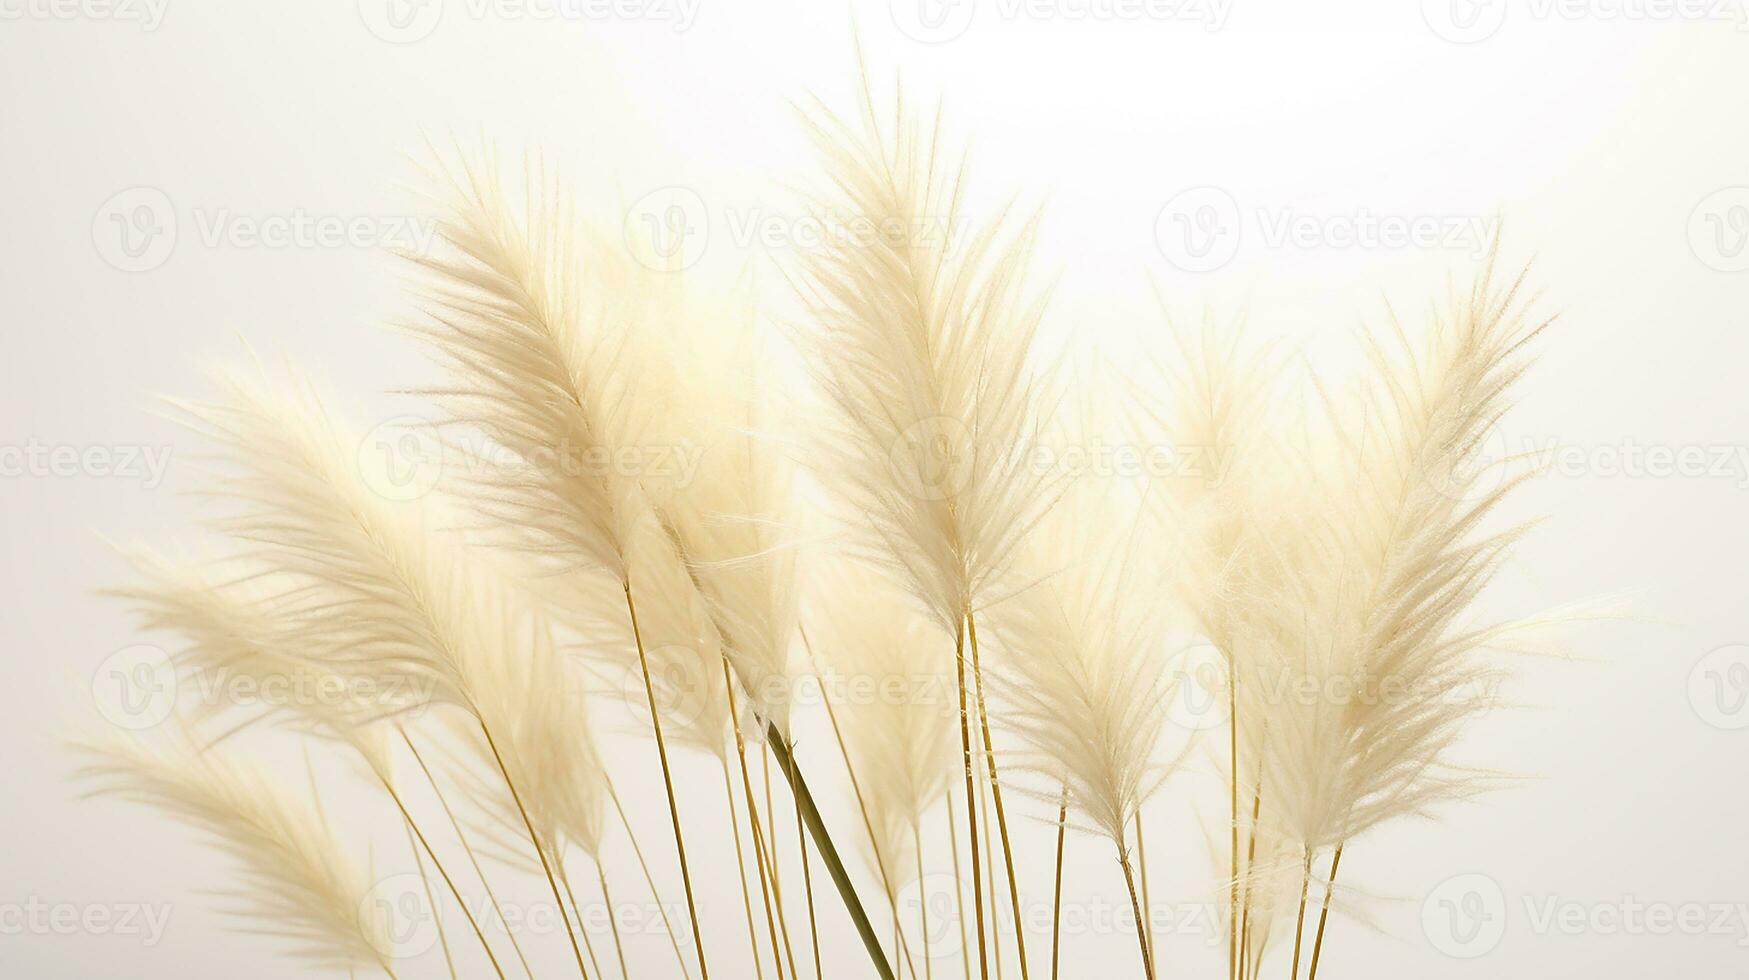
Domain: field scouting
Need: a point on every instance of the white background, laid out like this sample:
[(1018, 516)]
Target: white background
[(1602, 134)]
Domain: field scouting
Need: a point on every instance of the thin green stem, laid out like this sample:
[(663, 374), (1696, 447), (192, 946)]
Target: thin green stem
[(829, 855)]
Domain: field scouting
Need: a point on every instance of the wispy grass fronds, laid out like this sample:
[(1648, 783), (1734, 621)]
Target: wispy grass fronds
[(296, 881)]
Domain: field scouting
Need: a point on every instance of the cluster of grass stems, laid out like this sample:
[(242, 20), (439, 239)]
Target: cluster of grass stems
[(1329, 534)]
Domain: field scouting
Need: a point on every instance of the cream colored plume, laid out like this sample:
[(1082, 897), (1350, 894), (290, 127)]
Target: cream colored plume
[(1083, 679), (1384, 560), (296, 882), (919, 341), (894, 695)]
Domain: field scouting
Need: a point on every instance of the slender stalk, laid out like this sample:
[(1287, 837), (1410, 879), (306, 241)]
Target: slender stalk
[(741, 868), (959, 893), (619, 950), (431, 899), (752, 819), (1057, 891), (467, 848), (1251, 861), (996, 795), (667, 780), (1300, 920), (539, 851), (829, 855), (420, 835), (789, 950), (649, 880), (922, 904), (577, 914), (990, 879), (807, 878), (1324, 914), (1233, 813), (971, 801), (862, 809), (1142, 872), (1129, 878), (765, 870)]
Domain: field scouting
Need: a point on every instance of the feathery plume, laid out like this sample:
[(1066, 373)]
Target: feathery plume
[(297, 882)]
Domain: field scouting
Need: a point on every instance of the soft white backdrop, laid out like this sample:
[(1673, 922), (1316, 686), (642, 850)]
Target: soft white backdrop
[(1610, 137)]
